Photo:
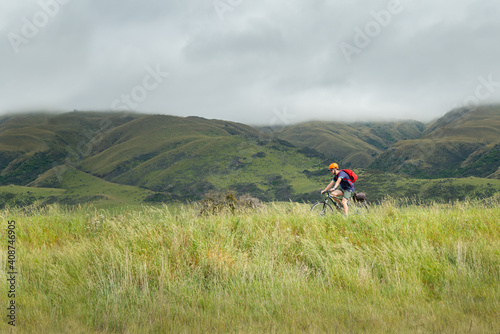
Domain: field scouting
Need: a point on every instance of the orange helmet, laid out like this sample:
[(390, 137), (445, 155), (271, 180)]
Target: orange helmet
[(333, 165)]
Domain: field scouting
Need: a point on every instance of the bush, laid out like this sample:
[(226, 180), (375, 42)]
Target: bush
[(215, 202), (247, 201)]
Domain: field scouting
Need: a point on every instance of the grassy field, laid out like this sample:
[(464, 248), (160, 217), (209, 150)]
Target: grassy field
[(75, 187), (399, 269)]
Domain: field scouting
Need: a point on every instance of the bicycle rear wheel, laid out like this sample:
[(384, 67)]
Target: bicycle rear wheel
[(321, 209)]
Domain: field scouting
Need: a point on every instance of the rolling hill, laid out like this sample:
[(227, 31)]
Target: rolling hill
[(177, 157), (108, 157), (31, 144), (351, 144), (189, 156), (462, 143)]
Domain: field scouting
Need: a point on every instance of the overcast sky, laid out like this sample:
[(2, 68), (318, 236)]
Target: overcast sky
[(252, 61)]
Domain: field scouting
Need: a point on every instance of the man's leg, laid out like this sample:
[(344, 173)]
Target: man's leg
[(337, 193), (346, 207), (347, 195)]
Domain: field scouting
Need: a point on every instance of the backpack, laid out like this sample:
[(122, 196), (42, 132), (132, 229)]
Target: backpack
[(351, 174), (359, 197)]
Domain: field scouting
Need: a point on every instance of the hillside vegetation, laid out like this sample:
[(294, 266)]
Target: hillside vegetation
[(351, 144), (93, 156), (397, 269), (31, 144), (74, 187), (189, 156), (464, 142), (178, 158)]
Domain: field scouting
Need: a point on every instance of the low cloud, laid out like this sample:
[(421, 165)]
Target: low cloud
[(242, 60)]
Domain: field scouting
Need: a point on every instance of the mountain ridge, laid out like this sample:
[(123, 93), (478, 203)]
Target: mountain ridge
[(462, 143), (184, 157)]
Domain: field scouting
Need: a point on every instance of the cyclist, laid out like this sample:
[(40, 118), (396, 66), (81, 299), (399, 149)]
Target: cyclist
[(340, 185)]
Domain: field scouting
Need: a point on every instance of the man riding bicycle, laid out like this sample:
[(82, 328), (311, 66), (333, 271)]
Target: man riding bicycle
[(340, 185)]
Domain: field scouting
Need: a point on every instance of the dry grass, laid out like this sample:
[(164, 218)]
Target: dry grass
[(402, 268)]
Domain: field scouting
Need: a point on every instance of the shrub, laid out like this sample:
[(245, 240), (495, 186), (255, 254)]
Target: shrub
[(247, 201), (215, 202)]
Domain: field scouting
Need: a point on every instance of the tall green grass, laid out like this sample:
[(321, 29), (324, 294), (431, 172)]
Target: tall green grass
[(401, 268)]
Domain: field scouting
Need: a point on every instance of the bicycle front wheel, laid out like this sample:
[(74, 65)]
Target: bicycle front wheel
[(321, 209)]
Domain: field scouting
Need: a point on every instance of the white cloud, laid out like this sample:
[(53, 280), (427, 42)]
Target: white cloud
[(259, 57)]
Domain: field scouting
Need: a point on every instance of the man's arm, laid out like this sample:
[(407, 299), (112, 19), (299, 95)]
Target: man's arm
[(332, 185), (329, 186), (337, 184)]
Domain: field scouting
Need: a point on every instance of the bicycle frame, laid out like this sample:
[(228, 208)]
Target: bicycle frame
[(324, 207), (332, 199)]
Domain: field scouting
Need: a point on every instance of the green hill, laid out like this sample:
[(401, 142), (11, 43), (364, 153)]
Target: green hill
[(175, 156), (73, 187), (189, 156), (134, 158), (351, 144), (462, 143), (31, 144)]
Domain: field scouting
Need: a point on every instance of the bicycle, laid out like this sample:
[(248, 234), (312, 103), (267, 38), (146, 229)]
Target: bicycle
[(358, 205)]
